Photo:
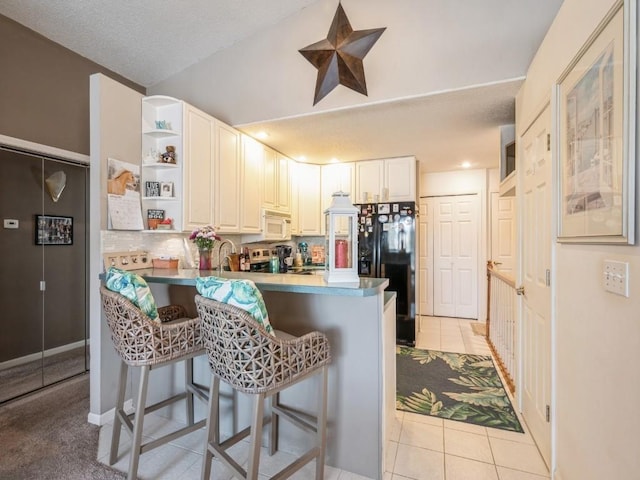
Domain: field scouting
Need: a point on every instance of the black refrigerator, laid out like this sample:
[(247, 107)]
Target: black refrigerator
[(387, 249)]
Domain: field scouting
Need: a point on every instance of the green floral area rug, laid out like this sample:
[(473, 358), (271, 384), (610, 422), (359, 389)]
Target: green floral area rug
[(455, 386)]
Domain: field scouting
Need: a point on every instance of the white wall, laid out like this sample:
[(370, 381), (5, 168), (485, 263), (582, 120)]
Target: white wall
[(596, 334), (115, 112), (265, 77), (458, 183)]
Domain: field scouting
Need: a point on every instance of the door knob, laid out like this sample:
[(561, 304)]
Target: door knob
[(520, 291)]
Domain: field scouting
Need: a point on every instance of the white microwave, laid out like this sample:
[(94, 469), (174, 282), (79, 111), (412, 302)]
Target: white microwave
[(276, 226)]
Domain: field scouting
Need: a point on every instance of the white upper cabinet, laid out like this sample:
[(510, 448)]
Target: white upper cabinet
[(337, 177), (369, 181), (212, 173), (227, 178), (276, 194), (251, 185), (284, 183), (198, 168), (400, 179), (309, 211), (388, 180), (270, 175), (162, 159)]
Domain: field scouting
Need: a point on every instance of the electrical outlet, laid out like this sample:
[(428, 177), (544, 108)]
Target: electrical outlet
[(616, 277)]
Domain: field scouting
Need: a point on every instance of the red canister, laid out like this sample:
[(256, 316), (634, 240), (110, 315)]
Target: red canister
[(342, 254)]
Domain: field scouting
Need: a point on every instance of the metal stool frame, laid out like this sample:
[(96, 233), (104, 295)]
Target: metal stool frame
[(244, 355), (142, 342)]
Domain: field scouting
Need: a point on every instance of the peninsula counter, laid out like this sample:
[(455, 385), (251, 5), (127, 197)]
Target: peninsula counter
[(359, 320)]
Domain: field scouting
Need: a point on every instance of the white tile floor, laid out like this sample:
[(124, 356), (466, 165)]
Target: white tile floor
[(421, 447)]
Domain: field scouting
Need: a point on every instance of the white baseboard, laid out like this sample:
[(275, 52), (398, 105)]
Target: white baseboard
[(107, 417), (37, 356)]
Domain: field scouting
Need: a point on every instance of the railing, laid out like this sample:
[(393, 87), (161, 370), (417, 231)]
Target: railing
[(501, 322)]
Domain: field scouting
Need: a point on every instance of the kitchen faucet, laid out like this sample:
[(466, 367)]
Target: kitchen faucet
[(233, 250)]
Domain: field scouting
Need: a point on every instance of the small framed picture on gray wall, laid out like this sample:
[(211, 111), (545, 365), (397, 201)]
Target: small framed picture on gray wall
[(53, 230)]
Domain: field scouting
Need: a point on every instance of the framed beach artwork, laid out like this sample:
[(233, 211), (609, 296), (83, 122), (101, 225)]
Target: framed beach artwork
[(596, 108)]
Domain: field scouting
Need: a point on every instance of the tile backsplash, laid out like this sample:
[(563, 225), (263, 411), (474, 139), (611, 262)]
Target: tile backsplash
[(159, 244), (177, 244)]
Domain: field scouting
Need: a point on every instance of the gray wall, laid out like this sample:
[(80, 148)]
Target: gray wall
[(33, 320), (44, 89)]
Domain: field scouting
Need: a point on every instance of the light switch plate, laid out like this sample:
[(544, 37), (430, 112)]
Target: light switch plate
[(11, 223), (616, 277)]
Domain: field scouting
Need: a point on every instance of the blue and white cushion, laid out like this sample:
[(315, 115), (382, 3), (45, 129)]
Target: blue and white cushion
[(134, 288), (240, 293)]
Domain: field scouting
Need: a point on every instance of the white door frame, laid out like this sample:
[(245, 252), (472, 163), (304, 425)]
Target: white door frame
[(520, 271)]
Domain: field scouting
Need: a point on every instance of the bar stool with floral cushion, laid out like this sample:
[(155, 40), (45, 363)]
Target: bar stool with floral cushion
[(245, 352), (148, 337)]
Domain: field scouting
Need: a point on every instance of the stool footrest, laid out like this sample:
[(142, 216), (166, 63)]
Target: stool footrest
[(241, 435), (297, 465), (297, 418), (145, 447)]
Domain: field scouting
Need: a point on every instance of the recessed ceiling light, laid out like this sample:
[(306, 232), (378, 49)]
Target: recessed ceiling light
[(334, 160), (262, 135), (466, 164), (302, 158)]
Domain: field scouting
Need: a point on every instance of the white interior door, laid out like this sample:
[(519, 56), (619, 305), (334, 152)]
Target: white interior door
[(455, 258), (503, 233), (536, 264), (425, 253)]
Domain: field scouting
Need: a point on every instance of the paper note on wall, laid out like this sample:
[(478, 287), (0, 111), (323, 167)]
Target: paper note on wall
[(123, 195), (124, 212)]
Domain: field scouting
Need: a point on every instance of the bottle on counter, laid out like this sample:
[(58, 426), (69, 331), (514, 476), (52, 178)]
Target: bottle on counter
[(245, 260)]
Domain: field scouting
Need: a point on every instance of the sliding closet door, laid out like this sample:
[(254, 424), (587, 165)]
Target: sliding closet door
[(43, 326), (64, 273), (21, 326)]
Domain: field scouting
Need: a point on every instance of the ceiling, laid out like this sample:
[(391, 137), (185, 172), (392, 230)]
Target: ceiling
[(148, 42)]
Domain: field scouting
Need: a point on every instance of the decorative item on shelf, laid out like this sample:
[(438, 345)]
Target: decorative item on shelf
[(165, 262), (163, 125), (152, 189), (154, 217), (339, 57), (152, 156), (170, 155), (166, 224), (204, 238), (341, 241), (166, 189)]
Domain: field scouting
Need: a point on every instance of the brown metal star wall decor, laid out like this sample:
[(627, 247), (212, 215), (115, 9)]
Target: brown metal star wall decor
[(338, 58)]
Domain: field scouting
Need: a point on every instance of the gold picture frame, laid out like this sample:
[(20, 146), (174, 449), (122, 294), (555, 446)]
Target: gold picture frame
[(595, 112)]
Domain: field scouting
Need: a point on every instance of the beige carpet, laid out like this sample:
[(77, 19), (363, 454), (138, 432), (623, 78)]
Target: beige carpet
[(479, 328), (46, 436)]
